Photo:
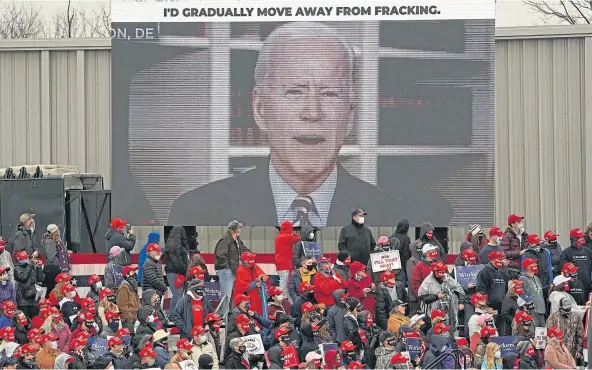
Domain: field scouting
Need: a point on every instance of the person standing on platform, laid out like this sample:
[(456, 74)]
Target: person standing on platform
[(514, 243), (284, 248), (356, 238), (119, 234)]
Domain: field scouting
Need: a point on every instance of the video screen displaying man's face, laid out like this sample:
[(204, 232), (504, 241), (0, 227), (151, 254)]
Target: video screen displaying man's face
[(304, 121)]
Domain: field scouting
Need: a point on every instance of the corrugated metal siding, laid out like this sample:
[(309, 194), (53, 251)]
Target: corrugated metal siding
[(55, 107)]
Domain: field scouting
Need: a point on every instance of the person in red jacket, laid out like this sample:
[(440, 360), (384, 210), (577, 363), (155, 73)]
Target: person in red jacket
[(250, 280), (284, 242), (422, 269), (326, 282), (361, 286)]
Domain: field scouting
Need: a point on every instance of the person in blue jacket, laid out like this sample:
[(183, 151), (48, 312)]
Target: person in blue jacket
[(153, 237), (535, 250)]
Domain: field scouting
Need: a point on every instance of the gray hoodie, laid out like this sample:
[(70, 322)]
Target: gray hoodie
[(335, 317)]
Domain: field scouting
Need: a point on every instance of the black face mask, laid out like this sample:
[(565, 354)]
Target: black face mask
[(112, 298), (199, 291), (485, 340), (310, 267), (310, 294), (529, 307), (89, 323), (391, 342), (114, 325), (157, 301), (242, 349), (490, 323), (351, 355), (527, 324), (565, 311), (285, 339)]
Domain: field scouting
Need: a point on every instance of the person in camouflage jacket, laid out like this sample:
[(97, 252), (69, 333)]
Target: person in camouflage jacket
[(571, 323)]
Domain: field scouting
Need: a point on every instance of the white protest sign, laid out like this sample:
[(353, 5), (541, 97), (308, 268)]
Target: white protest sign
[(254, 344), (540, 335), (385, 261)]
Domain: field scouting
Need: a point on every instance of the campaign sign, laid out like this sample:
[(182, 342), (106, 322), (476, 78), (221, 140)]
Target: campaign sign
[(290, 357), (312, 249), (507, 344), (540, 335), (117, 274), (254, 344), (327, 347), (212, 291), (466, 275), (98, 346), (414, 347), (383, 261)]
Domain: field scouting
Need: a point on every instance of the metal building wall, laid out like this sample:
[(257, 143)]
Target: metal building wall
[(55, 107)]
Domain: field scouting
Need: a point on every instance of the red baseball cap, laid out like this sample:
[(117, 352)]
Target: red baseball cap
[(281, 331), (106, 292), (111, 315), (123, 332), (33, 333), (399, 358), (241, 298), (437, 313), (347, 346), (440, 328), (387, 275), (242, 319), (21, 256), (80, 341), (308, 307), (148, 352), (487, 331), (356, 365), (576, 233), (4, 269), (522, 316), (197, 271), (129, 268), (438, 266), (305, 286), (93, 279), (184, 344), (528, 262), (533, 239), (274, 291), (514, 218), (86, 316), (50, 337), (213, 317), (63, 277), (496, 255), (555, 332), (469, 255), (550, 235), (496, 232), (570, 268), (67, 288), (28, 348), (198, 330), (8, 305), (478, 297), (115, 341), (153, 247), (117, 223)]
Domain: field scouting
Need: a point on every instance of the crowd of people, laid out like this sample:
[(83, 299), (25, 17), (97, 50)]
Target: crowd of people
[(323, 314)]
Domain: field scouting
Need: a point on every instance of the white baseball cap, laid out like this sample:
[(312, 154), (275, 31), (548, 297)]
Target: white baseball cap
[(428, 247)]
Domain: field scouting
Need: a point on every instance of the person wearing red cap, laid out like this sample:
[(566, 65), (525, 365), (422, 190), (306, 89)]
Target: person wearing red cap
[(492, 280), (467, 257), (543, 258), (252, 281), (244, 326), (555, 250), (202, 345), (557, 355), (27, 360), (48, 352), (8, 308), (26, 276), (68, 307), (243, 307), (361, 286), (573, 286), (95, 284), (510, 306), (213, 324), (306, 295), (54, 323), (284, 247), (478, 349), (152, 275), (421, 270), (305, 273), (580, 257), (115, 353), (274, 353), (386, 292), (534, 288), (276, 302), (119, 235), (440, 291), (326, 282), (147, 357), (128, 301), (514, 242), (495, 237), (177, 262), (191, 310)]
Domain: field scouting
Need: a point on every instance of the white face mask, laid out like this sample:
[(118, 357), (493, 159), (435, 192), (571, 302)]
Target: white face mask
[(157, 257), (54, 344), (311, 236), (150, 318), (498, 354), (361, 220), (520, 228), (99, 285), (203, 339)]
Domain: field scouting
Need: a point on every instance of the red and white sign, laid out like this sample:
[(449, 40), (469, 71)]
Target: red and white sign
[(384, 261)]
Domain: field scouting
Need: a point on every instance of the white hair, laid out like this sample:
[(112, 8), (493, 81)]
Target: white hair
[(297, 30), (234, 342)]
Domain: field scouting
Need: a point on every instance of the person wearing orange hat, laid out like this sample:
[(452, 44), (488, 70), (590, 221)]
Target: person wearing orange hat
[(252, 281), (495, 237), (557, 355), (440, 291), (492, 281), (119, 235), (361, 286), (514, 242), (128, 300), (533, 287), (48, 352), (580, 257), (152, 271), (543, 258), (26, 276), (202, 345)]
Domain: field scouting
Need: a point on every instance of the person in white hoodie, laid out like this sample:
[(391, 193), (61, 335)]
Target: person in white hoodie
[(6, 259), (560, 291)]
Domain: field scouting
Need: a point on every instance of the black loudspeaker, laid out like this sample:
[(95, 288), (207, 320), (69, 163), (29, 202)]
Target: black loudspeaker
[(88, 213), (441, 233), (44, 197), (191, 232)]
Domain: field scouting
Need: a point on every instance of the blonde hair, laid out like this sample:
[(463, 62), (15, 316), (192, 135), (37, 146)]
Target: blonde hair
[(58, 291), (490, 359)]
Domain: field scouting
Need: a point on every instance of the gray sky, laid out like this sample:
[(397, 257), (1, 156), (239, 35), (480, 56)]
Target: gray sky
[(509, 12)]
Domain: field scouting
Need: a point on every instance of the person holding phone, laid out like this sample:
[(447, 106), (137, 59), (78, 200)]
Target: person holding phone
[(121, 234)]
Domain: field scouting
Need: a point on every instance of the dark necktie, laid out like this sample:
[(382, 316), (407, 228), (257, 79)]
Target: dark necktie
[(303, 205)]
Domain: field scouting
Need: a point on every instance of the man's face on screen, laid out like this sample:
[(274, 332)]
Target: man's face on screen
[(305, 107)]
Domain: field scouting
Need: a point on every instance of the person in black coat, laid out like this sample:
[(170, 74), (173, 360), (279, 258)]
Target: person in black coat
[(356, 238), (384, 300), (581, 257), (510, 306), (370, 339), (350, 321), (404, 242), (152, 277), (308, 340), (22, 325), (145, 318), (116, 236), (234, 359), (554, 249), (176, 258), (68, 307), (306, 295), (275, 353), (26, 275)]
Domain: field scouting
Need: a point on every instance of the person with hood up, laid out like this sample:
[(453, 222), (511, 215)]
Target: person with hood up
[(153, 237), (560, 291), (95, 284), (306, 295), (154, 299), (333, 360), (24, 239), (361, 286), (525, 356), (201, 345), (160, 345), (55, 324), (438, 345), (306, 246), (356, 238), (580, 257), (235, 358), (252, 281), (534, 288), (440, 291), (510, 305), (385, 352), (227, 252), (27, 360), (571, 324), (385, 295), (468, 257), (191, 310), (397, 317), (326, 282), (492, 281), (113, 269), (343, 264), (422, 270), (400, 234), (152, 275), (514, 243), (495, 237), (138, 342), (335, 316), (8, 308), (350, 320), (117, 236), (57, 255), (575, 285), (426, 236), (476, 237), (6, 260), (286, 252), (554, 249), (27, 275), (145, 320), (116, 353), (47, 354), (176, 261), (308, 340), (542, 255), (557, 355), (128, 301), (304, 274)]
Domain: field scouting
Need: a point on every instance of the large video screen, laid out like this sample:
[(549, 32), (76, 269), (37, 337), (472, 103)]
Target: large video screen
[(264, 120)]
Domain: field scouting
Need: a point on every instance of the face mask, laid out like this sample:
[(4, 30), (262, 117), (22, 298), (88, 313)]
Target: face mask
[(199, 291), (112, 298), (311, 236), (360, 220), (285, 339), (498, 264), (432, 254), (150, 318), (203, 338), (114, 325), (25, 262), (565, 311), (350, 355), (553, 243), (98, 285), (217, 325), (391, 342), (347, 261), (245, 327), (485, 340), (359, 277), (519, 290), (156, 300), (151, 362), (528, 307), (527, 324), (490, 323), (439, 274), (536, 247), (573, 276), (580, 242), (534, 268), (520, 228), (310, 294), (242, 349), (429, 235), (54, 344), (247, 305), (89, 324), (5, 277), (530, 352), (310, 267), (498, 354), (23, 321), (56, 319), (370, 321), (566, 287), (157, 257)]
